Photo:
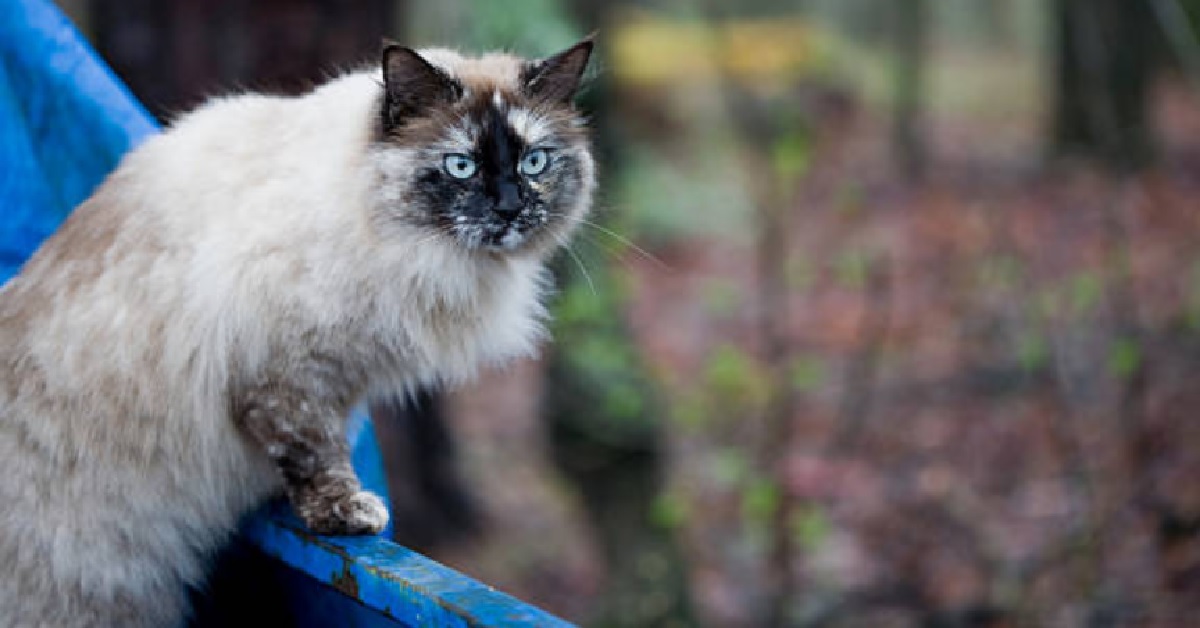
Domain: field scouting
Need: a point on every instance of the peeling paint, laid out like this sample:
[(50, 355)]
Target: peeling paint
[(373, 573), (345, 581)]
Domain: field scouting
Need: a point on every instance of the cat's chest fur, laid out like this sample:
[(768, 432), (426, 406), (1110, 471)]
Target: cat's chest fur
[(443, 322)]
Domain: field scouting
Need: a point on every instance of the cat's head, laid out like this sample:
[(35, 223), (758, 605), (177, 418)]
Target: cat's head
[(489, 152)]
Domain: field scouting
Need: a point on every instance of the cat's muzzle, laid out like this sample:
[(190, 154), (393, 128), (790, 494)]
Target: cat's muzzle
[(499, 231)]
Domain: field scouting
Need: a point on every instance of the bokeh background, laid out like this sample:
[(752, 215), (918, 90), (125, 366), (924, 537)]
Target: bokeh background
[(889, 314)]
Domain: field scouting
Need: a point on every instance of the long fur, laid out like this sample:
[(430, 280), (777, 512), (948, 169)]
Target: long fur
[(254, 227)]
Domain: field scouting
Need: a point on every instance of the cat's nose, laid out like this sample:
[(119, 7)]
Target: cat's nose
[(509, 200)]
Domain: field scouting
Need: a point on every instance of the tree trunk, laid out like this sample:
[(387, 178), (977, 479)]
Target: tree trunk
[(1104, 67), (908, 143), (430, 503), (614, 453)]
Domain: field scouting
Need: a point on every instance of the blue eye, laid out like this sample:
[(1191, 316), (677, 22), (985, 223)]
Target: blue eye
[(535, 161), (459, 166)]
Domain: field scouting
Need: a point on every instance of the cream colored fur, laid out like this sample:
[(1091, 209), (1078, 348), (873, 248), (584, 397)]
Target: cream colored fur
[(252, 221)]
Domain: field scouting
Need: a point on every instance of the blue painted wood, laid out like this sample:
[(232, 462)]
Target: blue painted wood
[(65, 122), (385, 577)]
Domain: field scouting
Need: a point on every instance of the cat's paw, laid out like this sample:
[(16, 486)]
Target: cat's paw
[(363, 512), (360, 512)]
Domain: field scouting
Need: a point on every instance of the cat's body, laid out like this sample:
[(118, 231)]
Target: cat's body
[(189, 342)]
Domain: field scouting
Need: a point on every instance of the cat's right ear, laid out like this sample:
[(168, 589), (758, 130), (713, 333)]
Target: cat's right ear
[(412, 85)]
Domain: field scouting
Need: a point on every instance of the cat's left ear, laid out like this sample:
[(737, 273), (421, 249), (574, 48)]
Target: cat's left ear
[(556, 78)]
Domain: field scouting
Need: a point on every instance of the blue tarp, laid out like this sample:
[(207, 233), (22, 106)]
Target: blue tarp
[(65, 122)]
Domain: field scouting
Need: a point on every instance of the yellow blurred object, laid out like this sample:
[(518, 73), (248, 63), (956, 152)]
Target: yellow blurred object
[(651, 50)]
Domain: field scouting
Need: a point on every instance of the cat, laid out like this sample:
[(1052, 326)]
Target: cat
[(190, 340)]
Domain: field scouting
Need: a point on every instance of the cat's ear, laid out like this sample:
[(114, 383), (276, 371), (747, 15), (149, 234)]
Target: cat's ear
[(412, 85), (556, 78)]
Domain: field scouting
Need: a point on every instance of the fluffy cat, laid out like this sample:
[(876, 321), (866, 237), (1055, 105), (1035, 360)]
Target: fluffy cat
[(191, 339)]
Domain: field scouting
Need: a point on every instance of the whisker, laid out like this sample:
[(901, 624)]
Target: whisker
[(603, 246), (627, 242), (608, 249), (579, 263), (623, 240)]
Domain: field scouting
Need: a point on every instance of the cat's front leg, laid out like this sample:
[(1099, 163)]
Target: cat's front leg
[(306, 440)]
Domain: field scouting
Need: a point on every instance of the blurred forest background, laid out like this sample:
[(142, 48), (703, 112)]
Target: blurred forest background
[(889, 314)]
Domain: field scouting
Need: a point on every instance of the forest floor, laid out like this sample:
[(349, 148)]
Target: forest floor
[(995, 375)]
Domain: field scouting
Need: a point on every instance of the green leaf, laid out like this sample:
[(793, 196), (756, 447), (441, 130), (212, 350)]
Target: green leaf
[(693, 410), (1124, 357), (789, 155), (1032, 352), (760, 499), (730, 373), (730, 467), (807, 373), (623, 400), (1086, 290), (811, 527), (578, 305), (851, 268), (669, 510)]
